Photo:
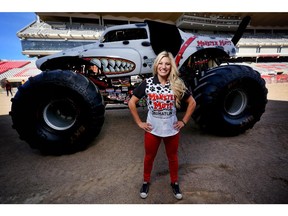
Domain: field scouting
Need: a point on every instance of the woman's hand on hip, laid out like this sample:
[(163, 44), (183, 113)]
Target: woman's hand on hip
[(179, 125), (145, 126)]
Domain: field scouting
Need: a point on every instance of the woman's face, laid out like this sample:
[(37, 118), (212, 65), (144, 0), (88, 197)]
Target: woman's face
[(164, 67)]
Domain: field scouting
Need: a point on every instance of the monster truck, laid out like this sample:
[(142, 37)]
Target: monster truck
[(62, 109)]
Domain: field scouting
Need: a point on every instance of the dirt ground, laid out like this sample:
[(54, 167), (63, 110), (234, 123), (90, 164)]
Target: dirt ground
[(246, 169)]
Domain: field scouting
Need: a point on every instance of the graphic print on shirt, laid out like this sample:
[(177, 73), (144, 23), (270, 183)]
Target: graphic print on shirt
[(160, 100)]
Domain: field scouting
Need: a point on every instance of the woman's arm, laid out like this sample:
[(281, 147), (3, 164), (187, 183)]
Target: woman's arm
[(133, 109), (190, 109)]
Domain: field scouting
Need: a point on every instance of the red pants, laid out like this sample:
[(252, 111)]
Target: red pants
[(152, 144)]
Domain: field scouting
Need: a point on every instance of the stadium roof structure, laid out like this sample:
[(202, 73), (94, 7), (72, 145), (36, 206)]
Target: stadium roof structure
[(258, 19)]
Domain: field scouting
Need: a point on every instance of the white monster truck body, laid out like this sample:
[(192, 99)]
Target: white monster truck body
[(130, 55)]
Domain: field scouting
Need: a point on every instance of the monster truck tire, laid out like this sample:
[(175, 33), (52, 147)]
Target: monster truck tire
[(230, 99), (58, 112)]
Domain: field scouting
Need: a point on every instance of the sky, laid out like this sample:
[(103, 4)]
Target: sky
[(11, 23)]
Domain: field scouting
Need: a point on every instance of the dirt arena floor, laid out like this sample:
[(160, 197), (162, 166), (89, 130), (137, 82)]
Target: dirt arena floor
[(246, 169)]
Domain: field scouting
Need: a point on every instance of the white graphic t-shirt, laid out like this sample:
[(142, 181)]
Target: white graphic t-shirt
[(161, 106)]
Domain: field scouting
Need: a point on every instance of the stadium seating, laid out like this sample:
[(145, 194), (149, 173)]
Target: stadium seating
[(272, 72), (7, 65), (10, 69), (61, 30)]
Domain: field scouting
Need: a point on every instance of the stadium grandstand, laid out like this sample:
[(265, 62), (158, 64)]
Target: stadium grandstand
[(264, 44), (266, 38), (17, 71)]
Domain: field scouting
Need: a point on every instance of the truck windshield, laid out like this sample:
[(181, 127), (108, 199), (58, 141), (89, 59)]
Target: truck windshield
[(125, 34)]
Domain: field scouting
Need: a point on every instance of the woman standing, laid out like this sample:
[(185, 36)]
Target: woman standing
[(164, 93)]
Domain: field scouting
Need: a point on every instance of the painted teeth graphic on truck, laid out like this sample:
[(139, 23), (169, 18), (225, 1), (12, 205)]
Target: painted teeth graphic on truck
[(113, 65)]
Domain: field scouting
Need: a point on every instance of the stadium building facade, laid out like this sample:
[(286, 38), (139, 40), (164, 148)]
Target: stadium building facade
[(54, 32)]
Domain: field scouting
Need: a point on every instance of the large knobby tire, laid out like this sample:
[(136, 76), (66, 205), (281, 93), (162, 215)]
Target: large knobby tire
[(58, 112), (230, 99)]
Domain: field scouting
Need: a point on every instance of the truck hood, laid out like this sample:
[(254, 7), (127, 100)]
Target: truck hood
[(72, 52)]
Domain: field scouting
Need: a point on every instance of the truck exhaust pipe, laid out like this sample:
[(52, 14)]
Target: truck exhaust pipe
[(242, 27)]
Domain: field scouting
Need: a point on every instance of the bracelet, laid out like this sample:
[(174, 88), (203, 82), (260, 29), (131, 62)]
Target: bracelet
[(183, 122)]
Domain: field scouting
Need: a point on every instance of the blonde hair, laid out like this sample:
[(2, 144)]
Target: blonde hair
[(177, 85)]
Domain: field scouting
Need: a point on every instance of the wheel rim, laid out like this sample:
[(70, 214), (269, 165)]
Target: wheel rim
[(60, 114), (235, 102)]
